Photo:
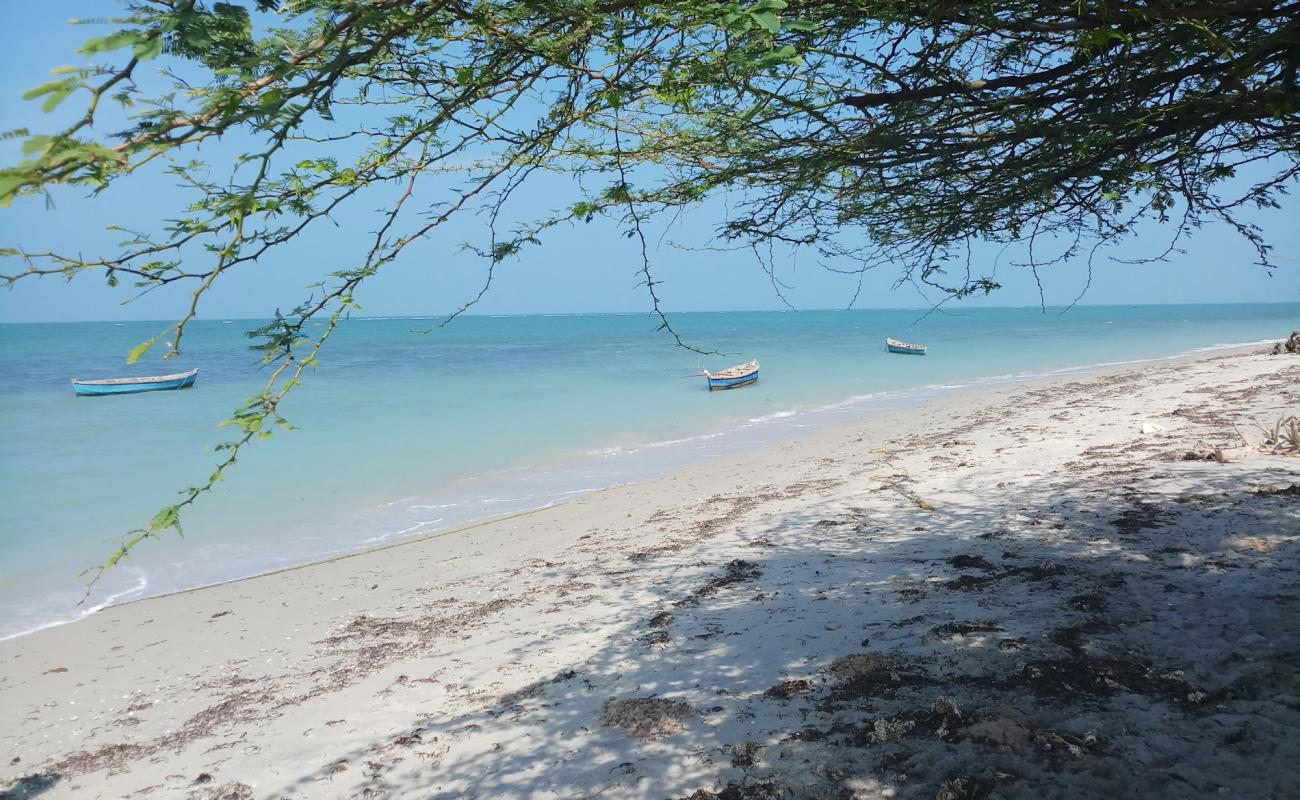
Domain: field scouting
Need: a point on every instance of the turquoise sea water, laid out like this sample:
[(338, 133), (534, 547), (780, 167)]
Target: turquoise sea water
[(403, 433)]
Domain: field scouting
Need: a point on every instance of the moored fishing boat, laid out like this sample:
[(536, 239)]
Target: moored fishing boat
[(155, 383), (895, 346), (731, 377)]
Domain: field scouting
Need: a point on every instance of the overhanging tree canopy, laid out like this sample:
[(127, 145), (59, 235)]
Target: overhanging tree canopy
[(873, 133)]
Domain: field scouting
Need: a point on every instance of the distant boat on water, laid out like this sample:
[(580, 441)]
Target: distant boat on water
[(156, 383), (731, 377), (895, 346)]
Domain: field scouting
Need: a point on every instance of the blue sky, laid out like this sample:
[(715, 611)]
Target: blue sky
[(587, 268)]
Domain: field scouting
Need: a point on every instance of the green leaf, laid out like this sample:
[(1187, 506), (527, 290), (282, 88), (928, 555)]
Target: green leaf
[(149, 49), (35, 144), (169, 517), (57, 96), (139, 350), (10, 183), (786, 54), (768, 21), (109, 43), (58, 91)]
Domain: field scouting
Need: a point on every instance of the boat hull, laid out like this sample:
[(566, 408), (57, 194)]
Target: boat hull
[(732, 383), (904, 348), (733, 377), (906, 351), (99, 389)]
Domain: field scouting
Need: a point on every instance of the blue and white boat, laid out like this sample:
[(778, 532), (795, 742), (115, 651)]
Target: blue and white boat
[(895, 346), (156, 383), (731, 377)]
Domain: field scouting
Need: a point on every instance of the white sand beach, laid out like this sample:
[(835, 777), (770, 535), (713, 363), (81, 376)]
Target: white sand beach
[(1020, 592)]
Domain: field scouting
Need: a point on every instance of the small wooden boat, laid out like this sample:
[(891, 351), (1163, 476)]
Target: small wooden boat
[(156, 383), (731, 377), (895, 346)]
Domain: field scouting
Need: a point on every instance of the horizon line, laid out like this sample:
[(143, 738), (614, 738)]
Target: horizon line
[(647, 312)]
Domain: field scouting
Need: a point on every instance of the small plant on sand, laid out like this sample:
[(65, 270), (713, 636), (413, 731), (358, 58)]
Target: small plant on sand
[(646, 717)]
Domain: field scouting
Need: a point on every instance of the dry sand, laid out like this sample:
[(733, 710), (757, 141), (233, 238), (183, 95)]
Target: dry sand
[(1012, 593)]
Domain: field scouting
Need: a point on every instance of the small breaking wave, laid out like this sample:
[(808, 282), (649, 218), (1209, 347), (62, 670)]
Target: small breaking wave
[(141, 583)]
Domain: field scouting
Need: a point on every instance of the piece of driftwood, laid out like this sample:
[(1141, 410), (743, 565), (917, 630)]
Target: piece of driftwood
[(1290, 345), (1283, 438)]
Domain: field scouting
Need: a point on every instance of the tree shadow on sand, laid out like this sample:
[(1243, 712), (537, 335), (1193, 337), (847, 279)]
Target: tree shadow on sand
[(1061, 639), (31, 786)]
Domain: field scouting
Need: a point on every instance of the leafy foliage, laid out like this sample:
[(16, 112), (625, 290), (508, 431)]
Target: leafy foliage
[(874, 133)]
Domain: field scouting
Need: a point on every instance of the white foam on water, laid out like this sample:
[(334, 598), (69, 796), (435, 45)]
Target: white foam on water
[(501, 500), (1231, 346), (419, 527), (130, 593), (684, 440)]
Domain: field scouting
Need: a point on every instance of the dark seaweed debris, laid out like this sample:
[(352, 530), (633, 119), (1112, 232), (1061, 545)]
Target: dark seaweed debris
[(788, 689), (967, 628), (971, 562), (1140, 517), (759, 790)]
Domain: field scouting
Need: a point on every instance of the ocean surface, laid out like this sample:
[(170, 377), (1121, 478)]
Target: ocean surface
[(403, 433)]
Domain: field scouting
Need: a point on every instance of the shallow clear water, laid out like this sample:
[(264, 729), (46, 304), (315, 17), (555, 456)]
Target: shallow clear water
[(403, 433)]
